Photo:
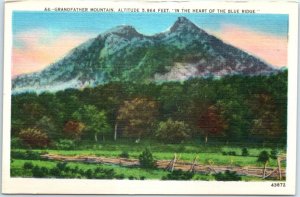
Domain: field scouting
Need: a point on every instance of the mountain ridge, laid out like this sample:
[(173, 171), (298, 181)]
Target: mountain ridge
[(124, 54)]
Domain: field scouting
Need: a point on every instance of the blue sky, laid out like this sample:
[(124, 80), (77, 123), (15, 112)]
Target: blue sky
[(147, 23)]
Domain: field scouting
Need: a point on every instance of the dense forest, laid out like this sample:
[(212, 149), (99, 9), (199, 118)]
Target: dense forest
[(242, 109)]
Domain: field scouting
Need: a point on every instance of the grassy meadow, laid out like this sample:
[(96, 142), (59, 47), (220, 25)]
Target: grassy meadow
[(207, 155)]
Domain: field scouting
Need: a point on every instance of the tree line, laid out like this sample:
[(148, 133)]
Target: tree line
[(230, 109)]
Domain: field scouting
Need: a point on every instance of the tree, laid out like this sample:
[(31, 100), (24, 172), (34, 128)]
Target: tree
[(172, 131), (236, 115), (74, 129), (172, 99), (46, 124), (267, 124), (212, 122), (146, 159), (138, 116), (34, 138), (95, 121), (263, 157)]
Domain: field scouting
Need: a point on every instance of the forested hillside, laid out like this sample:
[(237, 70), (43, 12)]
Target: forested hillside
[(233, 109)]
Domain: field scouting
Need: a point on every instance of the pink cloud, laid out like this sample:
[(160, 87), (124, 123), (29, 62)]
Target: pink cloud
[(36, 49), (270, 48)]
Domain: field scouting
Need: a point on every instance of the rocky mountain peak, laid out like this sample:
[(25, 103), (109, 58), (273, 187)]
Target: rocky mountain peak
[(124, 31), (183, 24)]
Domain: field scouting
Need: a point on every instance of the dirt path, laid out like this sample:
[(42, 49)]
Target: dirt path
[(166, 164)]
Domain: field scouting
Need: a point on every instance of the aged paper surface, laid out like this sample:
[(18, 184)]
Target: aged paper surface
[(134, 97)]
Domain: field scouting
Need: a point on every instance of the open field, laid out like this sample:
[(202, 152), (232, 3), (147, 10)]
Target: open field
[(187, 153), (220, 157)]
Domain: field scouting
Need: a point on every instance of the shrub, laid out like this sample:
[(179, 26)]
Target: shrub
[(227, 176), (172, 131), (28, 155), (40, 172), (55, 172), (274, 153), (245, 152), (89, 174), (263, 157), (31, 155), (120, 176), (61, 166), (102, 173), (16, 143), (65, 145), (232, 153), (74, 170), (178, 175), (28, 165), (224, 153), (146, 159), (132, 178), (124, 154), (34, 138)]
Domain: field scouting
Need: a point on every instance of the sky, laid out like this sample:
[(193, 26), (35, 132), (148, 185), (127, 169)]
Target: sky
[(41, 38)]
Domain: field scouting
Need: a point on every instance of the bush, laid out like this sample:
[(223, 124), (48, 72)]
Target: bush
[(229, 153), (40, 172), (224, 153), (172, 131), (245, 152), (28, 155), (89, 174), (120, 176), (274, 153), (178, 175), (124, 154), (65, 145), (16, 143), (55, 172), (28, 165), (132, 178), (263, 157), (62, 170), (34, 138), (146, 159), (61, 166), (101, 173), (227, 176)]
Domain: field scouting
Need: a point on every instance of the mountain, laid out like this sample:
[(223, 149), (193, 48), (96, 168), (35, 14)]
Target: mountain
[(123, 54)]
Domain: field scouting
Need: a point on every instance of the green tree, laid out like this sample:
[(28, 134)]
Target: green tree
[(95, 121), (266, 124), (263, 157), (146, 159), (172, 131), (47, 125)]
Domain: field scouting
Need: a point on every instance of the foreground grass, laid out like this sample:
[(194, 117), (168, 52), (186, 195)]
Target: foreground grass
[(17, 170)]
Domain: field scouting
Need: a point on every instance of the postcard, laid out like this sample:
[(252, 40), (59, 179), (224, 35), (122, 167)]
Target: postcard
[(150, 97)]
